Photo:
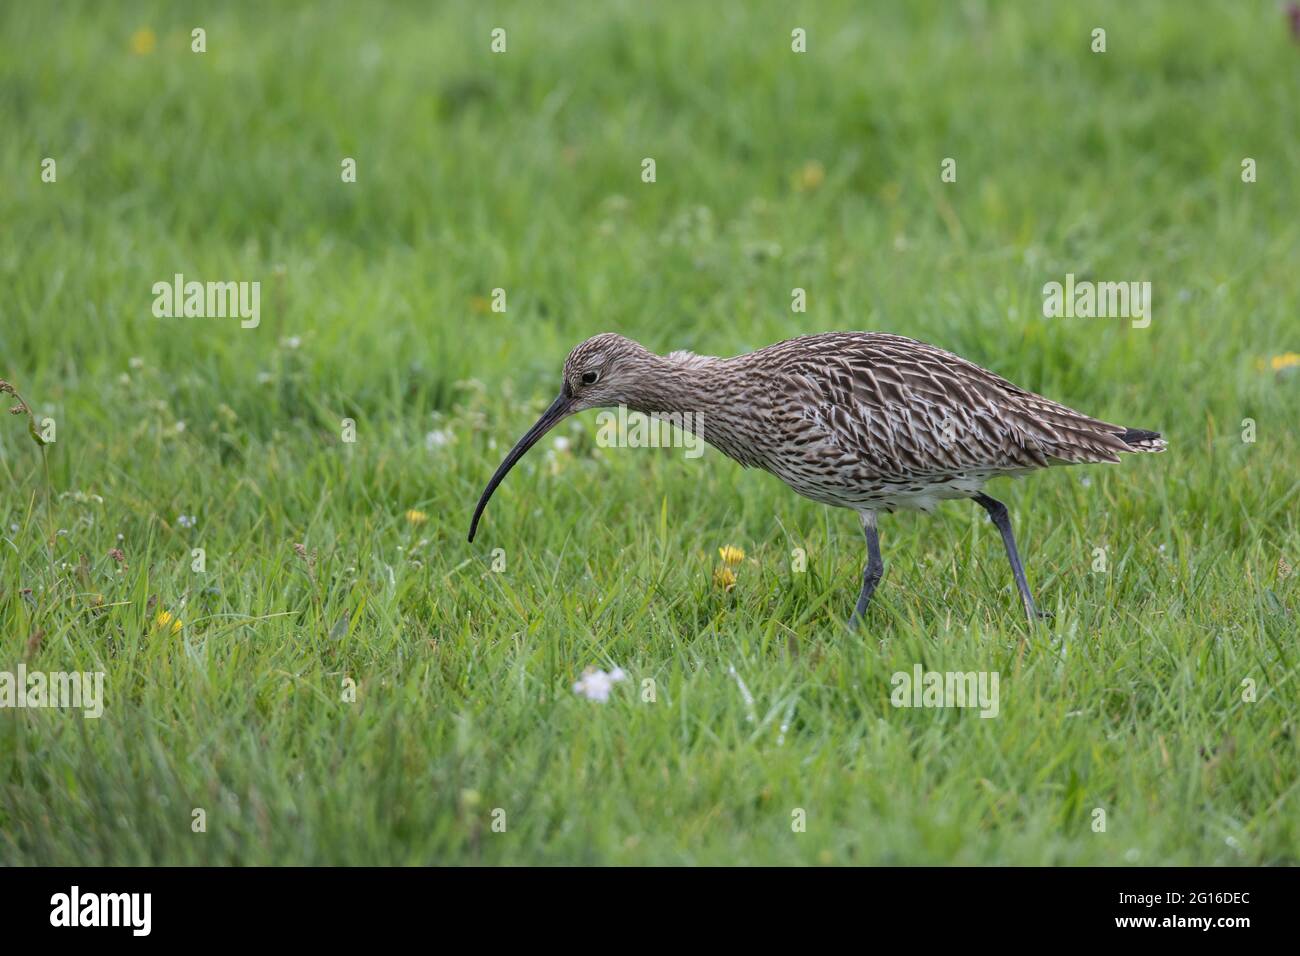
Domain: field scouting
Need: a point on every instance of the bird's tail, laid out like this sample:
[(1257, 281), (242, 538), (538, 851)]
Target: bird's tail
[(1141, 440), (1073, 437)]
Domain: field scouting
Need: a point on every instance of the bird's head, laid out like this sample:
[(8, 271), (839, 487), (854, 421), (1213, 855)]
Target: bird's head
[(605, 370)]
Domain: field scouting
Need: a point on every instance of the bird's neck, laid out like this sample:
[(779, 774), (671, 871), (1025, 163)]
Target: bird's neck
[(703, 396), (680, 383)]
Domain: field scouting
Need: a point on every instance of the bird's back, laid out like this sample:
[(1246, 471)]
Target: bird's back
[(841, 412)]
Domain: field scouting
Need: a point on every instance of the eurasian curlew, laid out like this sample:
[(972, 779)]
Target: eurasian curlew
[(861, 420)]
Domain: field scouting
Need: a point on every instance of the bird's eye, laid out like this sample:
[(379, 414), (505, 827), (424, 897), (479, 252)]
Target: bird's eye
[(589, 378)]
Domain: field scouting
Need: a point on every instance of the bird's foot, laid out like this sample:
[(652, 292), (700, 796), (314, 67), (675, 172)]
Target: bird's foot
[(1035, 614)]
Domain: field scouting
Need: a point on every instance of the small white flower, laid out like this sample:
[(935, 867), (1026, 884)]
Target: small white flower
[(265, 378), (180, 426), (185, 521), (1085, 481), (291, 342), (561, 443), (596, 684), (437, 438), (135, 362)]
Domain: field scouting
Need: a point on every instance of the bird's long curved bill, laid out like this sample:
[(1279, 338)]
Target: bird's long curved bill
[(558, 410)]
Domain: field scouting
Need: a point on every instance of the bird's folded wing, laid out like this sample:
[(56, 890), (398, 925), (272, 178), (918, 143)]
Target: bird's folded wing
[(905, 409)]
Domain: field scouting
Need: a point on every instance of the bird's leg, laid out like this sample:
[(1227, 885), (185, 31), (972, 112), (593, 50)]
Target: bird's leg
[(875, 567), (998, 514)]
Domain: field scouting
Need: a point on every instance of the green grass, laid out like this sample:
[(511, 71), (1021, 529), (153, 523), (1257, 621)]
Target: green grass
[(522, 171)]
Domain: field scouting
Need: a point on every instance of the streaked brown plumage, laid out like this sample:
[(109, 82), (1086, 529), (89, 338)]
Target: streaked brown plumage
[(862, 420)]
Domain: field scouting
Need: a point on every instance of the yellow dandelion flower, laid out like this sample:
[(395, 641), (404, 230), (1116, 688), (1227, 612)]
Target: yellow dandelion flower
[(143, 42), (724, 578), (1286, 360), (811, 175), (731, 555), (166, 620), (416, 517)]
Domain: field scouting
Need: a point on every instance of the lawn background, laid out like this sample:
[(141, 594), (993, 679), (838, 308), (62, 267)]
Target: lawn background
[(522, 171)]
